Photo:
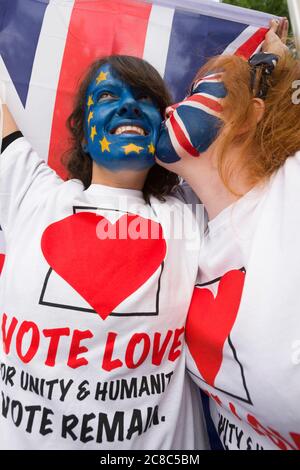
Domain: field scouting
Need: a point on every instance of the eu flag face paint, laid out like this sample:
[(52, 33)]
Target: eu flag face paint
[(193, 124), (121, 123)]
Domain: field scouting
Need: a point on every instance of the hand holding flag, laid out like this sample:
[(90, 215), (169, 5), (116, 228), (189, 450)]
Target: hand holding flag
[(276, 37)]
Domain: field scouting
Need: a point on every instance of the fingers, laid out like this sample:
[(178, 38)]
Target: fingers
[(281, 28), (273, 43), (274, 25), (284, 30)]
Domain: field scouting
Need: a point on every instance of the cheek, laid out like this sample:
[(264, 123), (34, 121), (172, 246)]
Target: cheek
[(99, 116), (96, 120), (164, 148), (201, 128), (155, 118)]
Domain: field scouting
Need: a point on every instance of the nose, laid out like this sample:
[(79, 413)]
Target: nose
[(130, 108)]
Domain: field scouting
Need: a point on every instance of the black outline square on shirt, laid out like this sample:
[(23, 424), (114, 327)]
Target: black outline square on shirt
[(90, 310)]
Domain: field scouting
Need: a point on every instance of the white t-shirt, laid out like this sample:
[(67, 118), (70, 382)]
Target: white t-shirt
[(243, 327), (92, 328)]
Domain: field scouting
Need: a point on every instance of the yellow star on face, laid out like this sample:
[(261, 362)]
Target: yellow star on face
[(151, 149), (91, 115), (93, 132), (105, 144), (101, 77), (132, 148), (90, 101)]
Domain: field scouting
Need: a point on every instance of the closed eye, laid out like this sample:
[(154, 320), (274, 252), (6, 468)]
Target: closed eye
[(145, 98), (195, 88)]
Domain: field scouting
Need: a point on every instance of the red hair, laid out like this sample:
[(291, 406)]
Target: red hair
[(270, 141)]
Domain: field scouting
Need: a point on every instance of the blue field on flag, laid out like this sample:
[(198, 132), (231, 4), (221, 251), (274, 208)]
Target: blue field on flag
[(21, 23), (194, 39)]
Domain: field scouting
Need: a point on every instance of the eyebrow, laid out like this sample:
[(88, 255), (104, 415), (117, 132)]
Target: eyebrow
[(103, 83)]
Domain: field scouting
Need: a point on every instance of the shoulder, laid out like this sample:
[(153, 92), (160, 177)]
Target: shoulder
[(14, 143), (288, 172)]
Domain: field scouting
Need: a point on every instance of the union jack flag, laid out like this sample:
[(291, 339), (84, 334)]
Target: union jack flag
[(46, 45)]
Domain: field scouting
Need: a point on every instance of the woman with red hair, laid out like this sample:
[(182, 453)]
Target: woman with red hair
[(242, 119)]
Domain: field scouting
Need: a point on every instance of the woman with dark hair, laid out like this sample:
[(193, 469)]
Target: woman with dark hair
[(159, 182), (241, 156), (93, 349)]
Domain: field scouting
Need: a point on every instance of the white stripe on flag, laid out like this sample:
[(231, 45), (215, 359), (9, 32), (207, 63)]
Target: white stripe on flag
[(202, 107), (179, 150), (211, 80), (182, 126), (240, 40), (158, 37), (45, 74)]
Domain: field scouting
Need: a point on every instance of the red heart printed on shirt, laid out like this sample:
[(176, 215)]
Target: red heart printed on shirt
[(210, 320), (104, 270), (2, 259)]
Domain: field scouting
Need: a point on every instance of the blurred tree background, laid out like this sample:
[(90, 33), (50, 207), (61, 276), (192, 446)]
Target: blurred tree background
[(275, 7)]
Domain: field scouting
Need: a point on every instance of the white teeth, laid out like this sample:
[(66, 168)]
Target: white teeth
[(131, 129)]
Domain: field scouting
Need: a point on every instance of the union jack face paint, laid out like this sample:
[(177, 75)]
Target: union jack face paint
[(192, 125)]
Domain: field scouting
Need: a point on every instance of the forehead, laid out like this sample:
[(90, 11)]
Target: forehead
[(104, 75)]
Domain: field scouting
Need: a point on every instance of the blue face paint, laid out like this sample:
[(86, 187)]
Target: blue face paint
[(121, 123), (193, 125)]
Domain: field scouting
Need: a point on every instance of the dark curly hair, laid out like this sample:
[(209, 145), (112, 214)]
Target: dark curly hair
[(139, 74)]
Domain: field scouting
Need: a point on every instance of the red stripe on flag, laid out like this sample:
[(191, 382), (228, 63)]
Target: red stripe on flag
[(2, 259), (181, 138), (250, 46), (208, 102), (96, 29)]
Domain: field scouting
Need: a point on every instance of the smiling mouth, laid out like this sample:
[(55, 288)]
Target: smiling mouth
[(132, 130)]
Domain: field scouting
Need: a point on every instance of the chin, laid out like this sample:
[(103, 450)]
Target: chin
[(130, 165), (163, 164), (175, 167)]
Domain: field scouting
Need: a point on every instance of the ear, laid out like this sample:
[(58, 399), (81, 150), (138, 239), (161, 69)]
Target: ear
[(259, 108), (84, 146)]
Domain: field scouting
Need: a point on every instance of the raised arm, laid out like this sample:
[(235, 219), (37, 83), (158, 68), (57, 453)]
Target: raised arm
[(9, 124)]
